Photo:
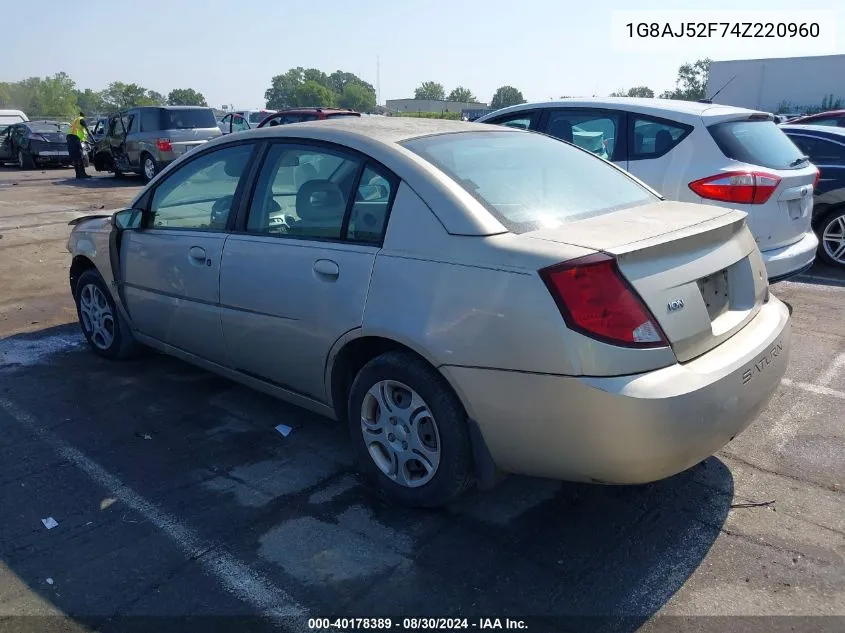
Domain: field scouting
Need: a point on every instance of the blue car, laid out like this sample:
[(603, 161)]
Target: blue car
[(825, 146)]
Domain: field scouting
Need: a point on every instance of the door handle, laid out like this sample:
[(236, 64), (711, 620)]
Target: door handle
[(326, 268), (198, 255)]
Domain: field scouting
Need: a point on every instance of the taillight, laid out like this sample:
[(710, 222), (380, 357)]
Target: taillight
[(164, 145), (818, 177), (740, 187), (597, 301)]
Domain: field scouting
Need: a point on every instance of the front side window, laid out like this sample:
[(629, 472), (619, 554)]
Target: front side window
[(530, 181), (593, 130), (239, 123), (654, 137), (302, 192), (200, 194)]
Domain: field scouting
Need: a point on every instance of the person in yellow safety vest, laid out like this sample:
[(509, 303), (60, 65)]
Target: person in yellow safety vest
[(77, 133)]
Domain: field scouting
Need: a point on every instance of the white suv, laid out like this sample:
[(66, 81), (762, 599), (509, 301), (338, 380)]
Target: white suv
[(696, 152)]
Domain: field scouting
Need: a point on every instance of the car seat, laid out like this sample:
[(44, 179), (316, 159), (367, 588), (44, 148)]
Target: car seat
[(320, 206)]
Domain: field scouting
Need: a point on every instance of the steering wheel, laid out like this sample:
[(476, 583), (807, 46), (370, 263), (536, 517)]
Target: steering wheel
[(220, 211)]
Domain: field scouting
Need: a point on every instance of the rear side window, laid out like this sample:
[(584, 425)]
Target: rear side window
[(150, 120), (522, 120), (757, 143), (530, 181), (593, 130), (654, 138), (820, 151), (337, 115), (187, 119)]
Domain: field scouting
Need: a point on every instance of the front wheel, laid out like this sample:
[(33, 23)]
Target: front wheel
[(409, 431), (104, 329), (832, 238)]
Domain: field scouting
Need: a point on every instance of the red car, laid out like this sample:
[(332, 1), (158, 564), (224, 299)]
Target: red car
[(297, 115), (833, 118)]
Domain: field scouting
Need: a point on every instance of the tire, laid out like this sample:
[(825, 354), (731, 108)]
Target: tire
[(442, 431), (25, 160), (149, 167), (831, 232), (104, 329)]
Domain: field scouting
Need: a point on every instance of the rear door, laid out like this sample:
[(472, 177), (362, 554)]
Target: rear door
[(657, 154), (6, 153), (295, 278), (170, 268), (596, 130)]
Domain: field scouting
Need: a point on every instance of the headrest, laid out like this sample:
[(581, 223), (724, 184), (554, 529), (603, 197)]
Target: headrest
[(319, 200)]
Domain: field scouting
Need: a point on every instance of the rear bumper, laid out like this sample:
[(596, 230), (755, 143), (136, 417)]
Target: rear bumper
[(628, 429), (787, 261)]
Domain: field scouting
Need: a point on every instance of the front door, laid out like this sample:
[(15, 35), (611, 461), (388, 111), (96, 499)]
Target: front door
[(133, 137), (296, 279), (116, 140), (171, 267)]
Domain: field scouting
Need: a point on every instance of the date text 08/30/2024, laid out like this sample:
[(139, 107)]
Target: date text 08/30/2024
[(415, 624)]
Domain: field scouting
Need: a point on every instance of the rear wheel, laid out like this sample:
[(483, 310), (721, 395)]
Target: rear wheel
[(149, 167), (832, 238), (409, 431), (25, 160)]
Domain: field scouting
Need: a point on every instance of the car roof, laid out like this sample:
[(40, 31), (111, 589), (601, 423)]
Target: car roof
[(637, 104), (315, 109), (826, 113), (824, 130)]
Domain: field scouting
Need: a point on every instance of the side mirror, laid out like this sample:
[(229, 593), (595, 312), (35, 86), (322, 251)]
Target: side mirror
[(128, 219)]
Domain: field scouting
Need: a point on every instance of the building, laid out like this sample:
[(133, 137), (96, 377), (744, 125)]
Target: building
[(401, 106), (788, 83)]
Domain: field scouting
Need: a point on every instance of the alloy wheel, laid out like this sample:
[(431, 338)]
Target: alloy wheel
[(833, 239), (97, 317)]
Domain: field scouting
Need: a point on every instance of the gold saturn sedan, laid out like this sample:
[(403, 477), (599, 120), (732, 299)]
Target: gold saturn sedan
[(471, 300)]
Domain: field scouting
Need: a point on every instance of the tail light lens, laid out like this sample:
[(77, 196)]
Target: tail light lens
[(740, 187), (596, 300), (818, 177), (164, 145)]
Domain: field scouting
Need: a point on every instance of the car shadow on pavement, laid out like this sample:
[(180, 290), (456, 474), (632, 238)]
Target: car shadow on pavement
[(95, 182), (204, 456)]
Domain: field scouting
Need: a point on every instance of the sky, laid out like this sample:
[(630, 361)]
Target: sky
[(230, 51)]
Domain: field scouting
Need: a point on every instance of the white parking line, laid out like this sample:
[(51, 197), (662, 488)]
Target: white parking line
[(235, 576), (822, 278), (807, 386)]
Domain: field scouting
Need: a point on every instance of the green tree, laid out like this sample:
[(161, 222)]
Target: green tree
[(186, 97), (461, 95), (89, 101), (282, 91), (313, 94), (120, 96), (639, 91), (506, 96), (53, 97), (358, 97), (691, 84), (430, 90), (339, 79)]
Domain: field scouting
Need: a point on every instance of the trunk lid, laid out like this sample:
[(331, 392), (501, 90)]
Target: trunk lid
[(696, 267)]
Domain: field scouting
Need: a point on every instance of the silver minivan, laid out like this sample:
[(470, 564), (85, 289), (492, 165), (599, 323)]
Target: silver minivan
[(145, 140)]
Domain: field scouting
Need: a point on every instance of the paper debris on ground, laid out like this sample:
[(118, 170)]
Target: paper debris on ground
[(284, 429), (49, 581), (49, 523)]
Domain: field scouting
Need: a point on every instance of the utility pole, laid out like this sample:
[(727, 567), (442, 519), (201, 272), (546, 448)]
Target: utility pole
[(378, 80)]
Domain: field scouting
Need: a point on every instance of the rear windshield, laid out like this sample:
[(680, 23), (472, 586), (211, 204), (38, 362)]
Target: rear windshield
[(10, 118), (530, 181), (43, 127), (187, 119), (258, 117), (758, 143)]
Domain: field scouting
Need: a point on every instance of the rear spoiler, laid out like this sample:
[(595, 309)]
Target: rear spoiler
[(84, 218)]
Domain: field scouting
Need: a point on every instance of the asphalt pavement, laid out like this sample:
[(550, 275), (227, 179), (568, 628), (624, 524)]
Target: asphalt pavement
[(178, 505)]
